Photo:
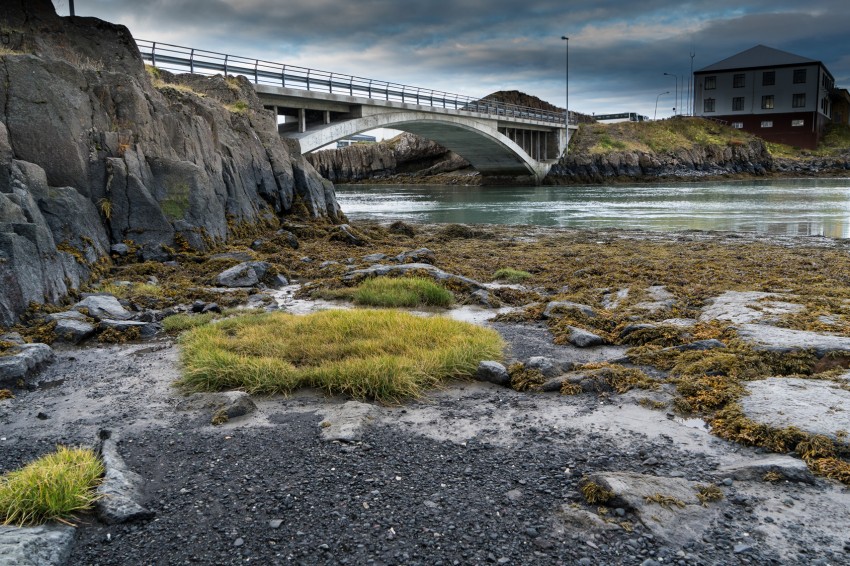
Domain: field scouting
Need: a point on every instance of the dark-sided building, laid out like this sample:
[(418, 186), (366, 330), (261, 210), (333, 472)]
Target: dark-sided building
[(773, 94)]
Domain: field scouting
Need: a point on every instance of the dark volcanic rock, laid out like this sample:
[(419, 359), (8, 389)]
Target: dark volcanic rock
[(96, 151)]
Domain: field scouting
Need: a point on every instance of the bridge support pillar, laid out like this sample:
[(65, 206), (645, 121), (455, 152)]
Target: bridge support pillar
[(327, 117), (302, 120)]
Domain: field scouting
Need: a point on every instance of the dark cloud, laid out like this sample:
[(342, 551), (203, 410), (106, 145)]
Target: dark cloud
[(619, 49)]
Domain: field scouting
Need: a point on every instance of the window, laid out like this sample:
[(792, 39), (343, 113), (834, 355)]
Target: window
[(738, 125), (767, 124), (738, 103), (799, 76), (708, 105), (738, 80), (768, 78), (710, 83), (797, 123), (767, 102), (799, 100)]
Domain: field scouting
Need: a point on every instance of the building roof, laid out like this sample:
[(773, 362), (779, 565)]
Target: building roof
[(758, 56)]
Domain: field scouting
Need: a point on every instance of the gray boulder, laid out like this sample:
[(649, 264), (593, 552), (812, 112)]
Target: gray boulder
[(422, 255), (73, 331), (583, 339), (103, 306), (121, 489), (775, 339), (493, 372), (45, 545), (754, 469), (246, 274), (27, 359), (146, 329)]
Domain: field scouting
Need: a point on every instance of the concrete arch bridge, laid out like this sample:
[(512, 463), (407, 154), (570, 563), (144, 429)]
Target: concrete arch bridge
[(318, 108)]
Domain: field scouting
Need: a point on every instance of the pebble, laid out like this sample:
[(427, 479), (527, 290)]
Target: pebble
[(727, 481), (239, 542), (275, 523)]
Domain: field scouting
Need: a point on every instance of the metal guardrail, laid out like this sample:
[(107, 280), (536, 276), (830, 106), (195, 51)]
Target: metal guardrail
[(180, 59)]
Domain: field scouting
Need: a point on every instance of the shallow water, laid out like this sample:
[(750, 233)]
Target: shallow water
[(817, 207)]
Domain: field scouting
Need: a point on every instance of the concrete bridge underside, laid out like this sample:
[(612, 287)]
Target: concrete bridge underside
[(495, 146), (487, 150)]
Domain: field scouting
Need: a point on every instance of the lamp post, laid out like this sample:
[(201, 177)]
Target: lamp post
[(567, 105), (660, 94), (676, 96)]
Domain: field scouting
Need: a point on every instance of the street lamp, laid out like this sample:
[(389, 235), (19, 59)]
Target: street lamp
[(676, 96), (567, 105), (660, 94)]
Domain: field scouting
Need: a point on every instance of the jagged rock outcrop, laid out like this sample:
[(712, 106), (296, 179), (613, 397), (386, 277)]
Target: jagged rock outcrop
[(696, 161), (406, 154), (95, 150)]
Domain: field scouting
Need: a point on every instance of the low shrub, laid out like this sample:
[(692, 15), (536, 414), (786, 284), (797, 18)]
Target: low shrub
[(54, 487), (366, 354), (402, 292)]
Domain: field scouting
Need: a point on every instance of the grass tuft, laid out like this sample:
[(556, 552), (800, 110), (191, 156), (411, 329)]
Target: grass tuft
[(402, 292), (511, 275), (181, 322), (54, 487), (366, 354)]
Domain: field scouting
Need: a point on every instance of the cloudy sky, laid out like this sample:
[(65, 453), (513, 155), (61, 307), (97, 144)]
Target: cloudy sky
[(619, 50)]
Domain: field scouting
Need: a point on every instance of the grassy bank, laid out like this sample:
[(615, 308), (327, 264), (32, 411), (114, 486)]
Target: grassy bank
[(366, 354)]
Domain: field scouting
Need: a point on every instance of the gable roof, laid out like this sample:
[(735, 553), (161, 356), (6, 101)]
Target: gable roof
[(758, 56)]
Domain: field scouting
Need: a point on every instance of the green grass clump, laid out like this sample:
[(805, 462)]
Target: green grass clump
[(511, 275), (402, 292), (384, 355), (181, 322), (54, 487)]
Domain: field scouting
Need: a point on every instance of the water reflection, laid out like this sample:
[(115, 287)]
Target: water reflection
[(810, 207)]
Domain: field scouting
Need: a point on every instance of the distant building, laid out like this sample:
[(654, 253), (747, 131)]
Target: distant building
[(356, 138), (621, 117), (775, 95)]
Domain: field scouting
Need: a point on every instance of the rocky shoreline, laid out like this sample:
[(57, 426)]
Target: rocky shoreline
[(476, 472)]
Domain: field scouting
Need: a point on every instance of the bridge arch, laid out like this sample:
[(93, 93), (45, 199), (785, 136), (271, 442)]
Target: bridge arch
[(486, 149)]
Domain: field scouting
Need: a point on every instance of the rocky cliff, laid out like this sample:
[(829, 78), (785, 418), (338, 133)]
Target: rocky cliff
[(406, 157), (696, 161), (96, 150), (656, 150)]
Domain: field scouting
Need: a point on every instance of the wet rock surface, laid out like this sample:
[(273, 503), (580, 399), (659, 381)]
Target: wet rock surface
[(813, 406)]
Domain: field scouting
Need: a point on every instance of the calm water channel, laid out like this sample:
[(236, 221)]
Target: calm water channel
[(796, 207)]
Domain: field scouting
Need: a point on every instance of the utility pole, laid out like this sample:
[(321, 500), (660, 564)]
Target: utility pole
[(690, 83), (567, 106), (71, 6)]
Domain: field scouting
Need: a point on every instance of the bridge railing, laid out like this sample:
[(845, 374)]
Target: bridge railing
[(176, 58)]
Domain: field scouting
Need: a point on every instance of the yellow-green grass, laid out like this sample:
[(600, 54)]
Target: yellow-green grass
[(182, 321), (511, 275), (384, 355), (54, 487), (402, 292)]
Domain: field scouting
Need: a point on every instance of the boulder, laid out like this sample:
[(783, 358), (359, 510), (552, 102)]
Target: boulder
[(146, 329), (549, 367), (735, 307), (73, 331), (45, 545), (493, 372), (28, 359), (583, 339), (246, 274), (346, 422), (422, 255), (103, 306), (121, 489)]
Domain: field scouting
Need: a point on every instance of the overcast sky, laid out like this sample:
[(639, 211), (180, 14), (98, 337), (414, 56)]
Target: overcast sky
[(618, 49)]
